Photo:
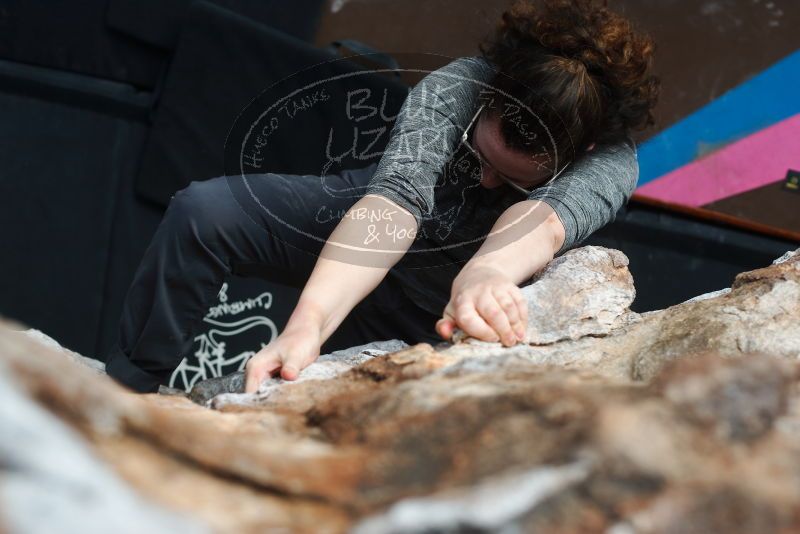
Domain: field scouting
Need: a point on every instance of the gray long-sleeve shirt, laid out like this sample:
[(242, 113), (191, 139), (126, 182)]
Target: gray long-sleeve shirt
[(425, 170)]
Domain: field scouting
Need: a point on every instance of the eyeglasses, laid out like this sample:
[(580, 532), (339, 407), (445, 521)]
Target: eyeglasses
[(503, 177)]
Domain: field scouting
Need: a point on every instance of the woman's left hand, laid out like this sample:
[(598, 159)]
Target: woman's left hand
[(487, 305)]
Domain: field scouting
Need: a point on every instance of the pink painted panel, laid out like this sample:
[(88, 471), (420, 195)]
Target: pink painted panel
[(758, 159)]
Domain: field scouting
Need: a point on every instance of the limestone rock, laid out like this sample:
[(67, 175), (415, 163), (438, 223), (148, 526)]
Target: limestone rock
[(145, 437), (788, 255), (326, 366), (738, 400), (206, 390), (586, 291), (757, 315), (489, 506), (51, 480), (685, 419), (43, 338)]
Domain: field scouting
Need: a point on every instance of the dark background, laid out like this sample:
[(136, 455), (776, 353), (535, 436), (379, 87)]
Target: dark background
[(110, 106)]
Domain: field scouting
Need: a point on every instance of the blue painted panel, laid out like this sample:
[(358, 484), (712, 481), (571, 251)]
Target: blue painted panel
[(770, 96)]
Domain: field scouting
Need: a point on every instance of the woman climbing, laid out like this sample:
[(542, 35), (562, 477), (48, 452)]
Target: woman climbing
[(496, 164)]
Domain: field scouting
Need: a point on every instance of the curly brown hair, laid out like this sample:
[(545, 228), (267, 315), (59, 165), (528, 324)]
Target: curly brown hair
[(581, 68)]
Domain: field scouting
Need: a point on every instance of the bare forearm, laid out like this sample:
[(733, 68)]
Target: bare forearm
[(522, 241), (371, 238), (332, 291)]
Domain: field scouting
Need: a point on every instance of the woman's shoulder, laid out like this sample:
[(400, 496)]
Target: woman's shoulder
[(475, 67)]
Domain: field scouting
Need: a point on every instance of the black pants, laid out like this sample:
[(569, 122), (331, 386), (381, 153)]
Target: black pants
[(240, 225)]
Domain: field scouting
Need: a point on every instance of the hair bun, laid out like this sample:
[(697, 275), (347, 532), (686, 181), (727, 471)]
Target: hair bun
[(585, 31)]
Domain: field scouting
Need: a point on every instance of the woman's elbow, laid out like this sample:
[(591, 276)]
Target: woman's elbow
[(556, 232)]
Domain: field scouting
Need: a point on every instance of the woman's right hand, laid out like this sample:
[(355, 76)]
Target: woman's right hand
[(341, 279), (291, 352)]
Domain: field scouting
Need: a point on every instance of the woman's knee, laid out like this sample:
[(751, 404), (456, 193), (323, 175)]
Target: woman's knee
[(203, 207)]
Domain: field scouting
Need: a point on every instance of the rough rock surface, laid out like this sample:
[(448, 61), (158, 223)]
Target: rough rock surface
[(326, 366), (43, 338), (681, 420), (40, 490), (592, 290), (757, 315)]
